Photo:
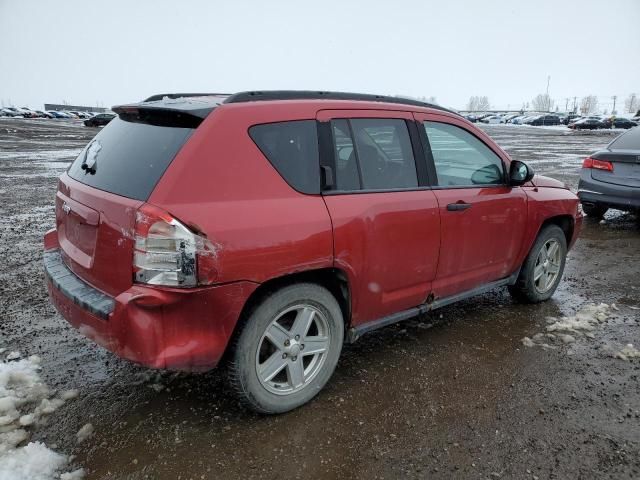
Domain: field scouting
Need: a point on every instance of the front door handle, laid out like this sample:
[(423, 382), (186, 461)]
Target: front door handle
[(457, 207)]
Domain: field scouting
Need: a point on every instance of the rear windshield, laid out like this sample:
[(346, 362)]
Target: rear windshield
[(629, 140), (128, 158)]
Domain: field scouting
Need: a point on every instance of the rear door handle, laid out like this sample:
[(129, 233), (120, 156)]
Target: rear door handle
[(457, 207)]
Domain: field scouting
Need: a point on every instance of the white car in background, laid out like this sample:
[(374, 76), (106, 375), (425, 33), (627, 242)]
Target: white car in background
[(494, 119)]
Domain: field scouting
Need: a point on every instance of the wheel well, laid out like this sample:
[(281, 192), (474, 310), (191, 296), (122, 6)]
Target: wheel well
[(565, 222), (332, 279)]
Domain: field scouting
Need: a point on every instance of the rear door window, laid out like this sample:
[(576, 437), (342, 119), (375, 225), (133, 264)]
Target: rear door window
[(128, 158), (292, 149), (378, 150), (347, 174), (461, 159), (384, 153)]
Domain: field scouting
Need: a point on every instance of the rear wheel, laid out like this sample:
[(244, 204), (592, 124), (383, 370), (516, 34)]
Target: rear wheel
[(542, 270), (288, 349), (594, 210)]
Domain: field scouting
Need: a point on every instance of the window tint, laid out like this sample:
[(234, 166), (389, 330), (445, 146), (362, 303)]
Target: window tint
[(128, 158), (629, 140), (292, 148), (460, 158), (347, 177), (384, 153)]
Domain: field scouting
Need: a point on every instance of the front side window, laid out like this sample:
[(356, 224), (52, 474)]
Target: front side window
[(292, 149), (379, 151), (461, 159)]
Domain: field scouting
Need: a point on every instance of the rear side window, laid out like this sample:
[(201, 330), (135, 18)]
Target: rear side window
[(292, 149), (128, 158), (629, 140)]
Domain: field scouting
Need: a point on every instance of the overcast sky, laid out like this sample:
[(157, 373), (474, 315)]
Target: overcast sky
[(115, 51)]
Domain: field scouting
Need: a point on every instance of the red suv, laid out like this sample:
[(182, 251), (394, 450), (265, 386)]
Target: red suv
[(262, 230)]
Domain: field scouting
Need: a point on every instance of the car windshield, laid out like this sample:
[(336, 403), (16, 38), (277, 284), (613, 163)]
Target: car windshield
[(629, 140)]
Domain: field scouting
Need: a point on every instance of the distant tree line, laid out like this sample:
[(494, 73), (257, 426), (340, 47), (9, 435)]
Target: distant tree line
[(544, 103)]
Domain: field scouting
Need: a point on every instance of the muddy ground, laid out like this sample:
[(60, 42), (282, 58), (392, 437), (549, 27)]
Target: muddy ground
[(453, 395)]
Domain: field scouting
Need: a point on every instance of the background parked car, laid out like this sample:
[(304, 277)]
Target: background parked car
[(99, 120), (544, 120), (619, 123), (610, 178), (587, 124), (494, 119), (570, 118), (7, 112)]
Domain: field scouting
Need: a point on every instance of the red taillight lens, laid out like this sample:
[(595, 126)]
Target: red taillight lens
[(168, 253), (597, 164)]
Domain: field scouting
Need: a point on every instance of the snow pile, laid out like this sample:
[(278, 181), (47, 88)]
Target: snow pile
[(583, 322), (24, 401), (84, 433), (566, 329), (628, 352)]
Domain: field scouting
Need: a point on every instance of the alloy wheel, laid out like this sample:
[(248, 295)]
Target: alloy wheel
[(293, 349), (547, 266)]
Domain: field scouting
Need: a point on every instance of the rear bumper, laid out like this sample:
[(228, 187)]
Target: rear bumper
[(177, 329), (613, 196)]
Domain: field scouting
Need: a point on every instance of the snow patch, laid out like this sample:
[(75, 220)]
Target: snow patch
[(25, 400), (32, 462), (628, 352), (85, 432), (565, 330)]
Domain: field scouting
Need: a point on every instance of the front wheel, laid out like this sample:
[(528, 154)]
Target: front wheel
[(542, 270), (288, 348)]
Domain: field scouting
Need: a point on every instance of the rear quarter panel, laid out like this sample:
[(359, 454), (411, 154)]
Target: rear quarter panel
[(222, 185)]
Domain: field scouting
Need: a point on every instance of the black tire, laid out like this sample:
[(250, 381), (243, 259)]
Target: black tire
[(595, 210), (243, 366), (527, 288)]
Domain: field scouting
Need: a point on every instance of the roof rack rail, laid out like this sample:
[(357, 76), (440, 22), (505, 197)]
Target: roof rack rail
[(160, 96), (255, 96)]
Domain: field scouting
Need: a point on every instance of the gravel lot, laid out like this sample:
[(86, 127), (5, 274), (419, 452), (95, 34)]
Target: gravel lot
[(454, 395)]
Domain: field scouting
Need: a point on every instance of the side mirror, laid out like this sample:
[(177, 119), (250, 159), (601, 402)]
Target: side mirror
[(519, 173)]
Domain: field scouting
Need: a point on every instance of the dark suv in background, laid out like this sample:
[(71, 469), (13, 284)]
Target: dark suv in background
[(544, 120), (99, 120)]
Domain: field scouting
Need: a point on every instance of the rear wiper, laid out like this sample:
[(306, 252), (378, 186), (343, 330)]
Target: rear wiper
[(89, 163)]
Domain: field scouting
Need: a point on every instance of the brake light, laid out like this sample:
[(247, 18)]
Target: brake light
[(168, 253), (597, 164)]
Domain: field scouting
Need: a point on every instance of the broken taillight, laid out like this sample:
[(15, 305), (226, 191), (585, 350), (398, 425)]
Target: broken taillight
[(597, 164), (168, 253)]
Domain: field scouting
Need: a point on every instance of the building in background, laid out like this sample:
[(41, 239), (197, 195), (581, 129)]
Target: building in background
[(74, 108)]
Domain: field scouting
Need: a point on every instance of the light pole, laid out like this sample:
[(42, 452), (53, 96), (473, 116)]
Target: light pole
[(547, 99)]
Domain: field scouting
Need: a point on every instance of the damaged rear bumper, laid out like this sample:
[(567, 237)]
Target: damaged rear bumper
[(177, 329)]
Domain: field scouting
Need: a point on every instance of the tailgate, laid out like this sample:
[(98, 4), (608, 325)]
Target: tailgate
[(95, 231), (99, 195)]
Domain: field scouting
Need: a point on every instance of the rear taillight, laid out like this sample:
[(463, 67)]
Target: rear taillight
[(168, 253), (597, 164)]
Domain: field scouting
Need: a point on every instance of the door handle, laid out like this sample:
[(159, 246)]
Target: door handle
[(457, 207)]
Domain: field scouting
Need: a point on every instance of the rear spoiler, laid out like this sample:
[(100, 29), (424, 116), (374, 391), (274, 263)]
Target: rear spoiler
[(160, 96), (175, 110), (618, 156)]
